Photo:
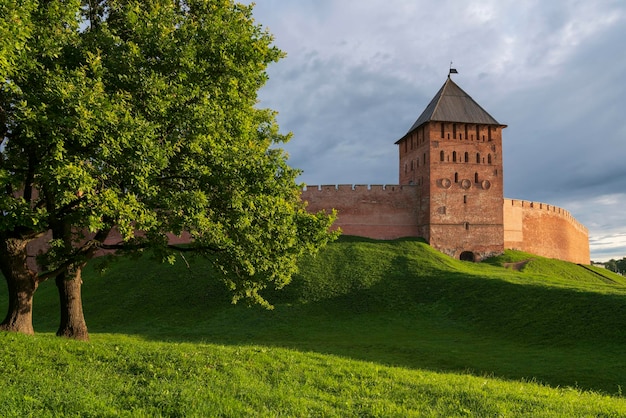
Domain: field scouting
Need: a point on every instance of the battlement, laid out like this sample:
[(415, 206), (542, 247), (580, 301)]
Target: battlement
[(356, 187), (553, 210)]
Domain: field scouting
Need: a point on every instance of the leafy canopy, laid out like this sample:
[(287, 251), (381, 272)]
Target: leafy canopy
[(141, 116)]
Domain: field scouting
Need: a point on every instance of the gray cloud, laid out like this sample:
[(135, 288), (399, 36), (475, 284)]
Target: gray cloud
[(358, 74)]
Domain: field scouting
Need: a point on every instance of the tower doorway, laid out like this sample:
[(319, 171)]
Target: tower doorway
[(467, 256)]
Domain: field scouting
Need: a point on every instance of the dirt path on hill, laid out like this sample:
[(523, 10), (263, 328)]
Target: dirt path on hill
[(517, 266)]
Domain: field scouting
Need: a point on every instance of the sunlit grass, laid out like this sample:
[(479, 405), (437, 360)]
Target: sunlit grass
[(367, 328)]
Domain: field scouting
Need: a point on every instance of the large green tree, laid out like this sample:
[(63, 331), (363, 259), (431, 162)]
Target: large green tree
[(140, 117)]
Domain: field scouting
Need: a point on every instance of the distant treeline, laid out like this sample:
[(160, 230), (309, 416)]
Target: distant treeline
[(617, 266)]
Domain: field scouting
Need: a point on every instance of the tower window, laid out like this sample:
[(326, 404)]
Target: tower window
[(466, 137), (489, 132), (454, 156), (489, 158), (454, 130), (475, 177), (412, 165), (477, 132), (442, 128), (456, 177), (464, 198), (441, 156), (467, 157), (477, 158)]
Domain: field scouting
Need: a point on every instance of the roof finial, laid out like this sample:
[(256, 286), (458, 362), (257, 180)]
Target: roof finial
[(452, 70)]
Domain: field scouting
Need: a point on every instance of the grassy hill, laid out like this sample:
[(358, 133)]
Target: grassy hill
[(374, 328)]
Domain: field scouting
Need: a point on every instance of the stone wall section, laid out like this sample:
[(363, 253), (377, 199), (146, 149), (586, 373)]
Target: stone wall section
[(546, 230), (376, 211), (391, 211)]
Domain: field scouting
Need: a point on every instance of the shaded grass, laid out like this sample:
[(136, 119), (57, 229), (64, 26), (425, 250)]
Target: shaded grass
[(397, 306), (124, 376)]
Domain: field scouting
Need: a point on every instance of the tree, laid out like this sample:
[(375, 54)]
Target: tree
[(140, 117)]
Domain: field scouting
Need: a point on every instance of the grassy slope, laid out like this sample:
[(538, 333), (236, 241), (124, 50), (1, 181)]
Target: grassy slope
[(388, 303)]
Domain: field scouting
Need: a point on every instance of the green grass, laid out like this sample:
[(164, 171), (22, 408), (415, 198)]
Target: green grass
[(368, 328)]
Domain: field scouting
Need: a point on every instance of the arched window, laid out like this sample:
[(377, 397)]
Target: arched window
[(489, 158), (412, 165), (454, 156), (489, 132), (475, 177), (442, 129), (467, 157), (454, 130), (456, 177), (477, 158), (441, 156)]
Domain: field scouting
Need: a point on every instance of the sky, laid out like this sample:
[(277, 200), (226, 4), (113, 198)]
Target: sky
[(357, 74)]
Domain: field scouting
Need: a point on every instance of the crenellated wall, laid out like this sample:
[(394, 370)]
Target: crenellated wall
[(546, 230), (376, 211), (390, 211)]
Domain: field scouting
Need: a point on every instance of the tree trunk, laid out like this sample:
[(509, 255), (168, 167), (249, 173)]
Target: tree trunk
[(21, 282), (72, 323)]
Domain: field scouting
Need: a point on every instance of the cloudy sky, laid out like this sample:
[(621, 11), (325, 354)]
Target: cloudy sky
[(359, 73)]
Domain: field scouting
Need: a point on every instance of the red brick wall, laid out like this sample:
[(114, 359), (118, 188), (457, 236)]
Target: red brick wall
[(41, 244), (545, 230), (380, 212), (389, 212)]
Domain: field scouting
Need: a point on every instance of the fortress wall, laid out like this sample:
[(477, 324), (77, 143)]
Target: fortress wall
[(376, 211), (35, 247), (545, 230)]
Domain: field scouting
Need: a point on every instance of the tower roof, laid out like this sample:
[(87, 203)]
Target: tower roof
[(452, 104)]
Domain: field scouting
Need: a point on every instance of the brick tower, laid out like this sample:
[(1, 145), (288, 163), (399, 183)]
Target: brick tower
[(453, 155)]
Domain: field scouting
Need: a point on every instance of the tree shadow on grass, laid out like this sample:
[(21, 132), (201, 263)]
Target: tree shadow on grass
[(443, 322), (388, 311)]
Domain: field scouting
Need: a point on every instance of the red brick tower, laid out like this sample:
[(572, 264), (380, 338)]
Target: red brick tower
[(453, 154)]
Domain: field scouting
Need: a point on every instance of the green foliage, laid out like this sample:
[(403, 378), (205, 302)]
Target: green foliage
[(616, 266), (141, 116)]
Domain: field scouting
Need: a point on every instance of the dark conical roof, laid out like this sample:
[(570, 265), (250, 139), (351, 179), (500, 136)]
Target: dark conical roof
[(452, 104)]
